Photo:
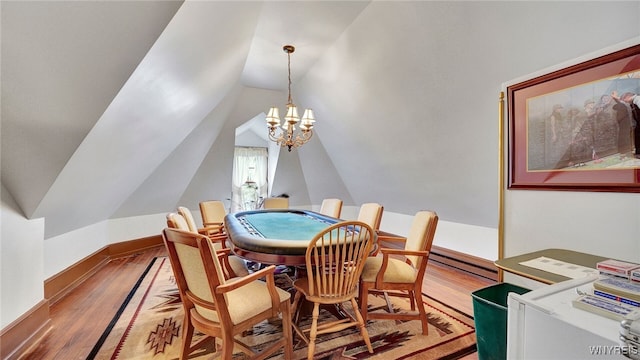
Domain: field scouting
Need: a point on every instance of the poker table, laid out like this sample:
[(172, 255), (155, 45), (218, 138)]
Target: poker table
[(279, 237), (274, 236)]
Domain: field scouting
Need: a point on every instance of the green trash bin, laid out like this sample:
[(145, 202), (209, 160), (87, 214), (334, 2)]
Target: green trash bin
[(490, 318)]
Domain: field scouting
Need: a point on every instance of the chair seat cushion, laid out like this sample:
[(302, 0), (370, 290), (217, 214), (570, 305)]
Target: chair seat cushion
[(397, 271), (246, 302)]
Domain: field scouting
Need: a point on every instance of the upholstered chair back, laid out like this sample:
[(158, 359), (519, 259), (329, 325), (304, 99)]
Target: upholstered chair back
[(371, 214), (188, 216), (276, 203), (331, 207), (421, 234), (212, 211), (177, 221)]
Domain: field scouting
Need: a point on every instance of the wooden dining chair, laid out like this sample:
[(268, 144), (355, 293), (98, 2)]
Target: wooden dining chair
[(224, 309), (389, 276), (276, 203), (237, 266), (331, 207), (177, 221), (212, 231), (213, 213), (334, 261)]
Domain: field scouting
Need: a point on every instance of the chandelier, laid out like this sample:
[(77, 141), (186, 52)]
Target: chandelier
[(288, 136)]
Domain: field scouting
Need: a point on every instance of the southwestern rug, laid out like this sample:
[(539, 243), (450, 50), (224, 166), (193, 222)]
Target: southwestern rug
[(148, 325)]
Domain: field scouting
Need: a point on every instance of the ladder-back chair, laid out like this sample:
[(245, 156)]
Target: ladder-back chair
[(334, 262)]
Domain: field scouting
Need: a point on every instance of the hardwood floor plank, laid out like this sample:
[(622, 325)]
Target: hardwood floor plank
[(80, 317)]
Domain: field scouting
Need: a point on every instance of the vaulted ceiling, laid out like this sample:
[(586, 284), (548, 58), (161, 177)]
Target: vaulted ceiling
[(123, 108), (105, 101)]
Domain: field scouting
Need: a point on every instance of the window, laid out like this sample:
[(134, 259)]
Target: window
[(249, 183)]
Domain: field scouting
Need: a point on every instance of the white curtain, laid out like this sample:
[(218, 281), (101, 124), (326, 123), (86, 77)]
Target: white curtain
[(249, 178)]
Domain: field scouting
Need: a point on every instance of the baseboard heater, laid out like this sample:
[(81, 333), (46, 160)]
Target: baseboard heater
[(464, 262)]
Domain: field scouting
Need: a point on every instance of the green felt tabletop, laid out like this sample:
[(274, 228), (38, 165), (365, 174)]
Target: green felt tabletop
[(286, 226)]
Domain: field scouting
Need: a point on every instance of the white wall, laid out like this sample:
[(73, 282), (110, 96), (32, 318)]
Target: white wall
[(65, 250), (27, 259), (604, 224), (21, 261)]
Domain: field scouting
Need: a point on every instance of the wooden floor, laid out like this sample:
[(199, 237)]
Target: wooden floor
[(80, 318)]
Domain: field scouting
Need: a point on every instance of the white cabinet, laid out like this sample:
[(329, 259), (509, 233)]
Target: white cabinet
[(543, 324)]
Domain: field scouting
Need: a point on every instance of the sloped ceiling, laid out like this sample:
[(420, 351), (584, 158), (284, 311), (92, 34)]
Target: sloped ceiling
[(62, 65), (110, 108), (124, 108)]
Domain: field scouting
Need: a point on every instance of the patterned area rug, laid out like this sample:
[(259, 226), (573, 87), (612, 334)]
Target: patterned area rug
[(149, 326)]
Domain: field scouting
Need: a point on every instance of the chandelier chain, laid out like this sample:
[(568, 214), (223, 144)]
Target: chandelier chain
[(289, 67)]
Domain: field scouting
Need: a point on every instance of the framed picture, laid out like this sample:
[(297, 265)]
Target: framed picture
[(573, 130)]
